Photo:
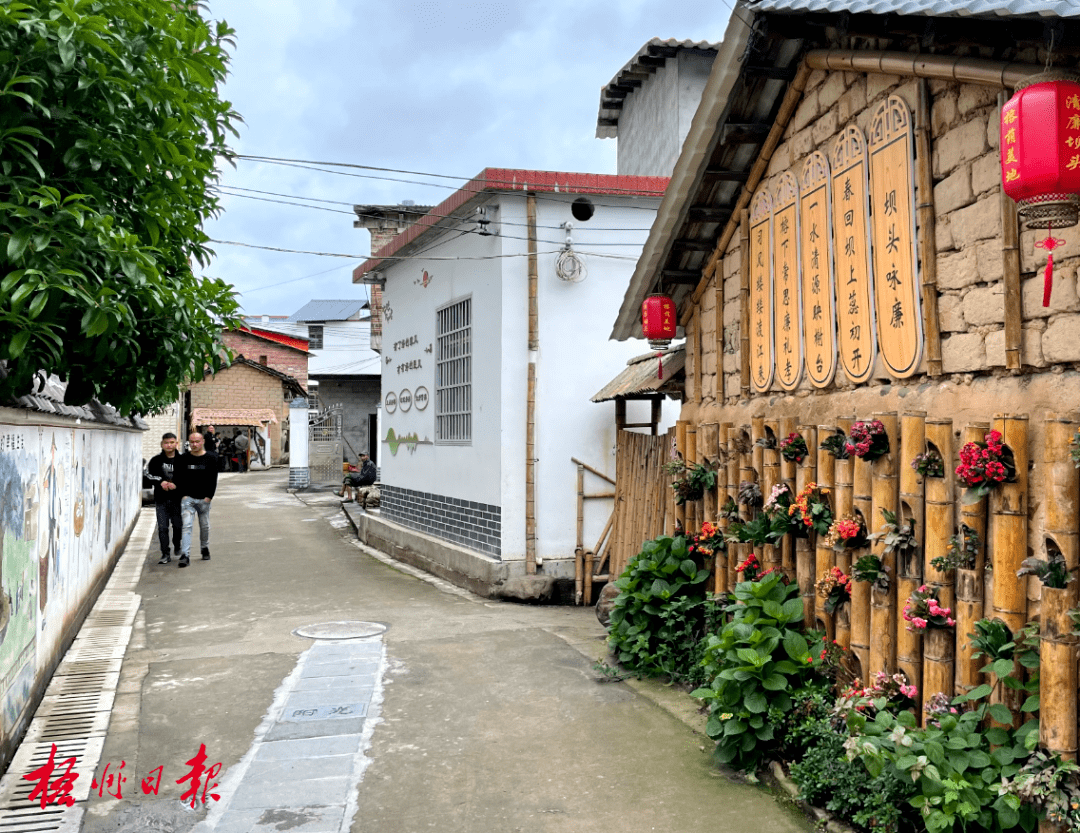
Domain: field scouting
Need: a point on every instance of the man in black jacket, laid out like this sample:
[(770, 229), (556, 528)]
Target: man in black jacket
[(196, 476), (161, 472)]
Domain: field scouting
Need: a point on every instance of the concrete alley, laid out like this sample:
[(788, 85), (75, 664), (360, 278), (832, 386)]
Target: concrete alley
[(444, 711)]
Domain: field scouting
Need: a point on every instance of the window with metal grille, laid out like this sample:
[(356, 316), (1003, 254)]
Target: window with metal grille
[(453, 373), (315, 334), (313, 396)]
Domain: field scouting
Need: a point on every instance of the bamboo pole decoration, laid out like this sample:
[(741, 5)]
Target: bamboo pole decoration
[(680, 442), (909, 567), (939, 651), (805, 548), (718, 342), (862, 502), (579, 566), (733, 460), (824, 556), (720, 559), (927, 219), (670, 515), (744, 301), (1062, 488), (968, 610), (1010, 258), (883, 618), (786, 470), (693, 507), (1009, 505), (757, 436), (1057, 673), (787, 467)]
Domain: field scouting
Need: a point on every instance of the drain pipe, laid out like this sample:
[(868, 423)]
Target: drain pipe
[(942, 67), (530, 400)]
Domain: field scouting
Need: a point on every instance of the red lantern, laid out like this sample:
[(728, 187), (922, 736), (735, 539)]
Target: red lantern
[(658, 323), (1040, 158)]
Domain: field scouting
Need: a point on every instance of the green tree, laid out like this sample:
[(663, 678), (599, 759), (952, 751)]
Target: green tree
[(111, 126)]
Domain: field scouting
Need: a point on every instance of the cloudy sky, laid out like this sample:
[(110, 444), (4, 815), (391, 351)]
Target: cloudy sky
[(432, 86)]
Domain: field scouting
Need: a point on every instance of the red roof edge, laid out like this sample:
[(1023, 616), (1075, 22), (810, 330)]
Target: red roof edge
[(277, 338), (492, 180)]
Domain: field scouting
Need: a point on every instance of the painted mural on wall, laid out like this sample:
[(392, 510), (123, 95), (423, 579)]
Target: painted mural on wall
[(67, 496)]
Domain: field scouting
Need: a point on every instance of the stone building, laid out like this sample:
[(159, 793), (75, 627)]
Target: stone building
[(839, 248)]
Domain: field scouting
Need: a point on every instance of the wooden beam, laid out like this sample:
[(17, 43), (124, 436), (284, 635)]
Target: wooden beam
[(708, 214), (687, 276), (726, 176), (687, 245), (744, 133)]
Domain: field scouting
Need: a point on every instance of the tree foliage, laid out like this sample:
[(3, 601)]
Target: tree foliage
[(111, 125)]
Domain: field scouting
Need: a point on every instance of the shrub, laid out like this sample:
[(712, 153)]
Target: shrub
[(661, 611), (755, 663)]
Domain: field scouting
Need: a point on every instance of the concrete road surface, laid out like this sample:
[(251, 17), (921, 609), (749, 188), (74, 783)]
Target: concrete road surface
[(445, 712)]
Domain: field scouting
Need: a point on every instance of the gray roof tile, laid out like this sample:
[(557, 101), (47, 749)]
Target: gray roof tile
[(937, 8)]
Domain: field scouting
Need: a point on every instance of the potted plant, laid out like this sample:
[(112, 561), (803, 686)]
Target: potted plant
[(1052, 571), (897, 536), (793, 448), (708, 542), (751, 569), (984, 465), (749, 493), (870, 569), (867, 439), (961, 553)]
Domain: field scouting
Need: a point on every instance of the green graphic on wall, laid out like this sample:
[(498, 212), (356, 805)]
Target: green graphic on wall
[(410, 441)]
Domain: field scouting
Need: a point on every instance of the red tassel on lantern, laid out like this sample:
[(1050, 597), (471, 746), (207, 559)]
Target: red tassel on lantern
[(1050, 243), (658, 324)]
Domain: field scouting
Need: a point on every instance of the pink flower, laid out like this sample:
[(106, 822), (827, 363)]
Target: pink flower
[(919, 623), (909, 691), (950, 622)]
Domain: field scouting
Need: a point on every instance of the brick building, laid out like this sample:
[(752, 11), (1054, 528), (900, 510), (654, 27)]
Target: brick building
[(278, 351), (246, 393)]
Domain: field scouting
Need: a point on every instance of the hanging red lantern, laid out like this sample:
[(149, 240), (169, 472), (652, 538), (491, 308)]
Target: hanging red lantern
[(658, 323), (1040, 158)]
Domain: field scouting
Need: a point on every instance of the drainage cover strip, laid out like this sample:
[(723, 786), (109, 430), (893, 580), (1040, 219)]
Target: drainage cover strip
[(75, 710)]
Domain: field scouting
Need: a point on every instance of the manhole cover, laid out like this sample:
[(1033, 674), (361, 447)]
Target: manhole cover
[(340, 630)]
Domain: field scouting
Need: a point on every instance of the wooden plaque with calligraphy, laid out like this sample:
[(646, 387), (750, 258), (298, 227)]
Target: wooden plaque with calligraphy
[(787, 303), (761, 292), (856, 338), (892, 186), (818, 306)]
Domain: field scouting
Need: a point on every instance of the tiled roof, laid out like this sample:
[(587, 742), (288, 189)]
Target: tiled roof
[(641, 376), (648, 59), (936, 8), (232, 416), (278, 338), (328, 310), (48, 398)]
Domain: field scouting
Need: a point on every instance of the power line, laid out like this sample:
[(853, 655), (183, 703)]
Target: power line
[(409, 257)]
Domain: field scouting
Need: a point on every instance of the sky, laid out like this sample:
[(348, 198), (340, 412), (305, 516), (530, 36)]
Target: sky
[(431, 86)]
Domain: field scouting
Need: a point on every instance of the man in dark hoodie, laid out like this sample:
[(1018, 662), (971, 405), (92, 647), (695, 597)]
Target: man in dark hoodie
[(161, 472), (196, 475)]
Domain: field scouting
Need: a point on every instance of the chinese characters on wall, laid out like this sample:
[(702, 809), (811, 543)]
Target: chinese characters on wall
[(838, 248)]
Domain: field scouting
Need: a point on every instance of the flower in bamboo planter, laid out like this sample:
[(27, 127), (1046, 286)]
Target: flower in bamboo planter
[(793, 448), (835, 587), (730, 510), (923, 611), (898, 535), (868, 440), (708, 542), (691, 481), (869, 568), (846, 534), (810, 511), (836, 445), (961, 553), (984, 465), (929, 464), (779, 499)]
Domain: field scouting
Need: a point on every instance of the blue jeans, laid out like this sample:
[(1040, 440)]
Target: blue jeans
[(189, 508), (168, 513)]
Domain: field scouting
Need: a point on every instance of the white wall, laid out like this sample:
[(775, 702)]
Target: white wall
[(346, 349), (460, 471)]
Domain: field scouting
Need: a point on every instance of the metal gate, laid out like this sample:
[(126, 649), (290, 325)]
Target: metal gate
[(325, 446)]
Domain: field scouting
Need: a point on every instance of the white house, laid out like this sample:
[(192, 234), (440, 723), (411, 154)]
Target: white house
[(496, 307)]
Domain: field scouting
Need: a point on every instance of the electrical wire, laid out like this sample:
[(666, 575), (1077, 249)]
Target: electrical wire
[(407, 257)]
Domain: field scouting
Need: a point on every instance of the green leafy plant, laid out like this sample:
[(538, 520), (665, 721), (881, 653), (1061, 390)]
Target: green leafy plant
[(810, 511), (836, 445), (660, 612), (691, 481), (1050, 786), (755, 663), (766, 528), (111, 128), (869, 568), (730, 510), (1052, 572), (963, 549), (956, 765), (897, 536), (929, 464), (749, 493), (1007, 656)]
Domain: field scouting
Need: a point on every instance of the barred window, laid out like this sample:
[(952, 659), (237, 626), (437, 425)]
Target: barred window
[(315, 336), (453, 373)]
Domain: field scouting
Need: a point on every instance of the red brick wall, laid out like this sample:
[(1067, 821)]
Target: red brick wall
[(240, 386), (278, 356)]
